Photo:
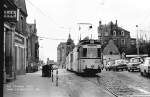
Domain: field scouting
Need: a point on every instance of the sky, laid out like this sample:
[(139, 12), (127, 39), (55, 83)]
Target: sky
[(55, 19)]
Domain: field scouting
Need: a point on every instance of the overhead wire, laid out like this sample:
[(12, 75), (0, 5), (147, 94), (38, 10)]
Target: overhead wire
[(41, 38), (39, 10)]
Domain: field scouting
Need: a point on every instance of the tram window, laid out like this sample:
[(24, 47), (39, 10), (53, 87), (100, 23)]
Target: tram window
[(84, 52), (71, 60), (98, 52)]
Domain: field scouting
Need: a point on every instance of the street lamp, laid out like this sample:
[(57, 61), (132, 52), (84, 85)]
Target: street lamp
[(89, 27)]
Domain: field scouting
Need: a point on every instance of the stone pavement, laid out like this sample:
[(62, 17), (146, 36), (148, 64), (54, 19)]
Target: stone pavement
[(33, 85)]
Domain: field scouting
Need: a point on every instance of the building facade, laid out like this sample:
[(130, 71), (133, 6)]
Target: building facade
[(63, 50), (112, 31), (110, 52), (61, 54), (32, 48), (15, 38)]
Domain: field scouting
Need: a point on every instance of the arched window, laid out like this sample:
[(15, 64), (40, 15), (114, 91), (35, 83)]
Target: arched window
[(114, 33), (122, 33)]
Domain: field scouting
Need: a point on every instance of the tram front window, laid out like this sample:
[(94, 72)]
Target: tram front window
[(92, 53)]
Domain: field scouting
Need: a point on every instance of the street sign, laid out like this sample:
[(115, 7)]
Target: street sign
[(11, 15)]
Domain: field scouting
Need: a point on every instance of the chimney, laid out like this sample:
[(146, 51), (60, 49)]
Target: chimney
[(100, 23), (116, 23)]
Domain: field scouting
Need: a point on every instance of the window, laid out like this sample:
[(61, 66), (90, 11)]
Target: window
[(71, 60), (122, 33), (84, 52), (115, 41), (98, 52), (106, 34), (110, 52), (114, 33), (122, 41)]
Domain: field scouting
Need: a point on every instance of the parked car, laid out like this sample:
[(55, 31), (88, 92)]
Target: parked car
[(55, 67), (134, 64), (120, 64), (145, 67)]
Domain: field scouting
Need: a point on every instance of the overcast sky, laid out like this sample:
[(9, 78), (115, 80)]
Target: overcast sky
[(57, 18)]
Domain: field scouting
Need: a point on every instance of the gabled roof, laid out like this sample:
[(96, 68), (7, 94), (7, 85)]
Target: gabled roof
[(22, 5), (110, 47)]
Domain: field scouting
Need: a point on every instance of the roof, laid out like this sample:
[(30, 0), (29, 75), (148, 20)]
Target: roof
[(147, 58), (144, 55), (22, 5), (110, 47)]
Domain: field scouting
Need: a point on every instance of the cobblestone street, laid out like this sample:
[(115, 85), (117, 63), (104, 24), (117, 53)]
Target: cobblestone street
[(106, 84), (125, 83)]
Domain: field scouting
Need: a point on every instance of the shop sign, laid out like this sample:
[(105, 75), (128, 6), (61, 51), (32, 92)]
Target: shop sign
[(19, 39), (11, 15)]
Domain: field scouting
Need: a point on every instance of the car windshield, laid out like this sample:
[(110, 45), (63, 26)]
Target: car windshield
[(120, 61)]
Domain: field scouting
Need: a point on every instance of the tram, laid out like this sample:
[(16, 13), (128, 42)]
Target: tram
[(85, 57)]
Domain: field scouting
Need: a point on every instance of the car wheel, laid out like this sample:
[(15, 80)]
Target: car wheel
[(145, 74), (139, 70), (129, 70), (106, 69)]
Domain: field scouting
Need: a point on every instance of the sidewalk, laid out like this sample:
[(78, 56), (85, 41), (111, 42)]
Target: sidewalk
[(33, 85)]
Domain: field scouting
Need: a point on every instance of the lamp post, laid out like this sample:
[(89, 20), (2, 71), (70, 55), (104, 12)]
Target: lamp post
[(90, 27)]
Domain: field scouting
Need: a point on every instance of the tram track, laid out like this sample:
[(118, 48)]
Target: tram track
[(103, 86), (115, 86), (107, 89)]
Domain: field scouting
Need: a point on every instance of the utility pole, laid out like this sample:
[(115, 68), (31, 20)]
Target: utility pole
[(102, 33), (137, 41), (101, 39)]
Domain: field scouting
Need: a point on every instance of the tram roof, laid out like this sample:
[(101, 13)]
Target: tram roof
[(89, 41)]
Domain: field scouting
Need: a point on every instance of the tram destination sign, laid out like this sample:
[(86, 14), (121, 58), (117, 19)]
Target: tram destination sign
[(11, 15)]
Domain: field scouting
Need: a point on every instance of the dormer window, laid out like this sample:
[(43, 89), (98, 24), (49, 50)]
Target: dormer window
[(114, 33), (122, 33)]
